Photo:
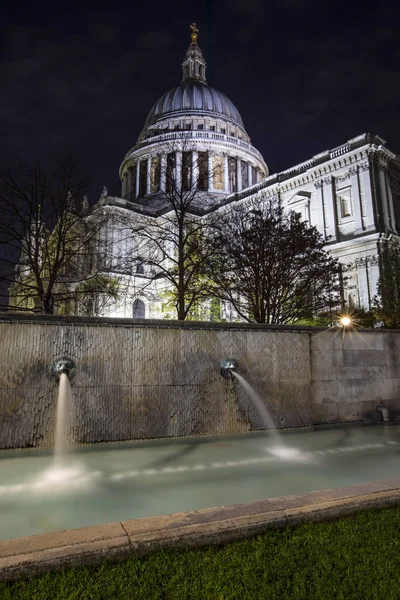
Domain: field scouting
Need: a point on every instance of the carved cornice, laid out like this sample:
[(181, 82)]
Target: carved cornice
[(364, 166), (362, 262), (343, 177)]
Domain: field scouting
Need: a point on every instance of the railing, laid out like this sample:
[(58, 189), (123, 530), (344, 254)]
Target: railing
[(339, 150), (193, 134)]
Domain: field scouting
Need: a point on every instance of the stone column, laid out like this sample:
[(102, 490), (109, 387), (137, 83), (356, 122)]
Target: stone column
[(320, 210), (210, 171), (124, 182), (330, 209), (137, 178), (195, 170), (163, 172), (226, 173), (356, 197), (249, 174), (366, 184), (178, 170), (238, 175), (148, 176)]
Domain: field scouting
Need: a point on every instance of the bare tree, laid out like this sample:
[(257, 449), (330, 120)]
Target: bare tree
[(48, 245), (271, 266), (173, 243)]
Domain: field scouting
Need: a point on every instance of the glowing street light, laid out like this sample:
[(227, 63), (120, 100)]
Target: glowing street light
[(345, 321)]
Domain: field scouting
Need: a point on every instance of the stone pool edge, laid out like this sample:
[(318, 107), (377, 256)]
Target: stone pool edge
[(90, 546)]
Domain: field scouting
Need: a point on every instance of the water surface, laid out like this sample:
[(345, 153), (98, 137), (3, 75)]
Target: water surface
[(114, 482)]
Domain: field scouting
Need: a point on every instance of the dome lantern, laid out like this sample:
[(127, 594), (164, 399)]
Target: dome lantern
[(194, 65)]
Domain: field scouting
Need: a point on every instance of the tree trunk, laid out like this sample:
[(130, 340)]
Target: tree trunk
[(181, 307), (47, 304)]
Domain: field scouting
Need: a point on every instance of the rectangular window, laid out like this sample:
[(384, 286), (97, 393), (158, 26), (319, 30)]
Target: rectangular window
[(223, 130), (200, 126), (212, 127)]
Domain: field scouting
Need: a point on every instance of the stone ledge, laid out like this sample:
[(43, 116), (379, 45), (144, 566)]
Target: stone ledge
[(28, 556)]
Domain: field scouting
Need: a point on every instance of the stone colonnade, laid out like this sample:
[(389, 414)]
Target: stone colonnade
[(208, 171)]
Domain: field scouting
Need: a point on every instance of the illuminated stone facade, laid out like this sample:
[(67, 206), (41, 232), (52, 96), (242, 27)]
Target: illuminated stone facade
[(194, 133)]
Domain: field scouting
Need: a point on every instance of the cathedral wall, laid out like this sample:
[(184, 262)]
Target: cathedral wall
[(163, 380)]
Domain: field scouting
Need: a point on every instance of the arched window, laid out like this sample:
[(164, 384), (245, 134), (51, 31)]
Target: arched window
[(140, 269), (139, 309)]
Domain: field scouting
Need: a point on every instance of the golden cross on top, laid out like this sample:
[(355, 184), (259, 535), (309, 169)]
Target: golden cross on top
[(195, 31)]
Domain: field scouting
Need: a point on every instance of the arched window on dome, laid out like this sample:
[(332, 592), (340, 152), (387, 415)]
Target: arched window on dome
[(139, 309), (140, 269)]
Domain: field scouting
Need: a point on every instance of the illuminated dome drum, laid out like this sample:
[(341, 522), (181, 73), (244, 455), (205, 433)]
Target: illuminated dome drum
[(193, 135)]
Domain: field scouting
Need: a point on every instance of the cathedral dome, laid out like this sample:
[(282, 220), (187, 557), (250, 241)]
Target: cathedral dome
[(190, 97), (193, 137)]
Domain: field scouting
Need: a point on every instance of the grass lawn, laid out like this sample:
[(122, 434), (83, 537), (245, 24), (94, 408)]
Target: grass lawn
[(356, 558)]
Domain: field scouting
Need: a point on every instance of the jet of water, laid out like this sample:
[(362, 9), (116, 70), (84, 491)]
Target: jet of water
[(64, 402), (262, 410)]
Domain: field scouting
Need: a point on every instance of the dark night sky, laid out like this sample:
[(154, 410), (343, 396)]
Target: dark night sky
[(305, 75)]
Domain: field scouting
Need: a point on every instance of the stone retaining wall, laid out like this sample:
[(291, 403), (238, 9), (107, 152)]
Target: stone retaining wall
[(137, 380)]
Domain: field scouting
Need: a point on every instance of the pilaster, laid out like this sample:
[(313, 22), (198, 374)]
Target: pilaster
[(390, 202), (320, 210), (356, 197), (366, 186), (330, 210), (384, 198)]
